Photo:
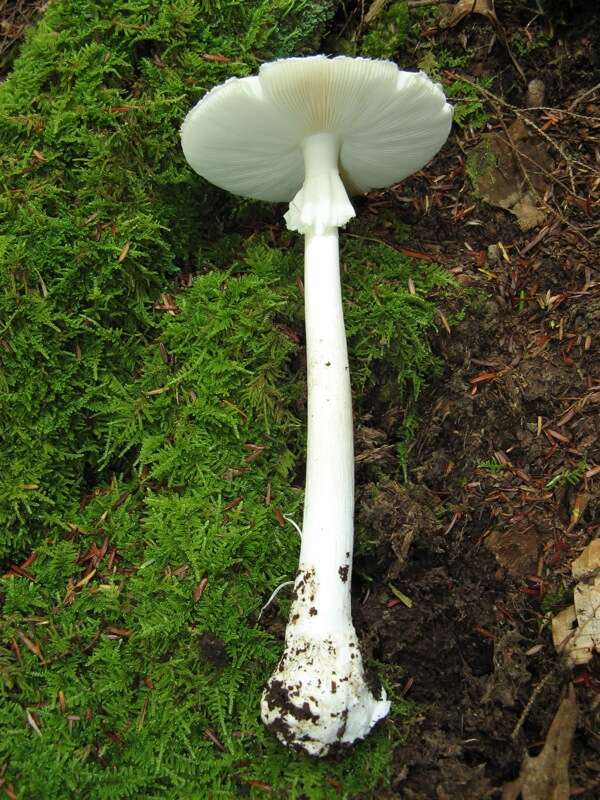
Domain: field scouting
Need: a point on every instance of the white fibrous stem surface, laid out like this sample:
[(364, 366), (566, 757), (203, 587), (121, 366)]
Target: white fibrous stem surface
[(318, 699)]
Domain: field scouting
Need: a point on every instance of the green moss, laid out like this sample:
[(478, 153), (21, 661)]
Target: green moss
[(227, 386), (468, 102), (553, 602), (491, 465), (481, 161), (469, 106), (144, 451), (387, 325), (388, 34), (526, 47), (96, 215)]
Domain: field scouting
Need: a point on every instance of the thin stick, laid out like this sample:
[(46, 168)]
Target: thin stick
[(566, 111), (517, 154), (527, 121), (529, 704), (422, 3), (520, 155), (581, 97)]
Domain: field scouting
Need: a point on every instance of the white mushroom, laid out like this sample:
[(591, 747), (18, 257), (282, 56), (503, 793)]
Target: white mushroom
[(308, 131)]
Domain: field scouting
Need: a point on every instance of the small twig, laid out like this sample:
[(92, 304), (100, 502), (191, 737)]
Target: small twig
[(374, 11), (347, 22), (537, 239), (585, 94), (517, 155), (520, 155), (423, 3), (361, 21), (499, 100), (504, 38), (529, 704), (566, 111)]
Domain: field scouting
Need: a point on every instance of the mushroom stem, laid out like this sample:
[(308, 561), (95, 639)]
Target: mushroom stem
[(317, 699), (322, 202), (327, 529), (318, 120)]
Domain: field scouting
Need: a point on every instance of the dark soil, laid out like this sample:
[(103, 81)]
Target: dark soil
[(15, 17), (482, 539)]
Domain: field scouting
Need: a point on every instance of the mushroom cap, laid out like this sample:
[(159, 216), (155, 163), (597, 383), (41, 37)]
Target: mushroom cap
[(246, 134)]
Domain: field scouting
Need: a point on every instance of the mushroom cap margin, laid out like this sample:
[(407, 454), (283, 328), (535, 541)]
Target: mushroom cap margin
[(245, 135)]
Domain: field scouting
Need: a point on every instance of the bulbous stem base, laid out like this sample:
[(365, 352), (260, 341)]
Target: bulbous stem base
[(317, 699)]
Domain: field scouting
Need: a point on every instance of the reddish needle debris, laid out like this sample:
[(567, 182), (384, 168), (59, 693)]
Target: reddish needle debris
[(199, 590)]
